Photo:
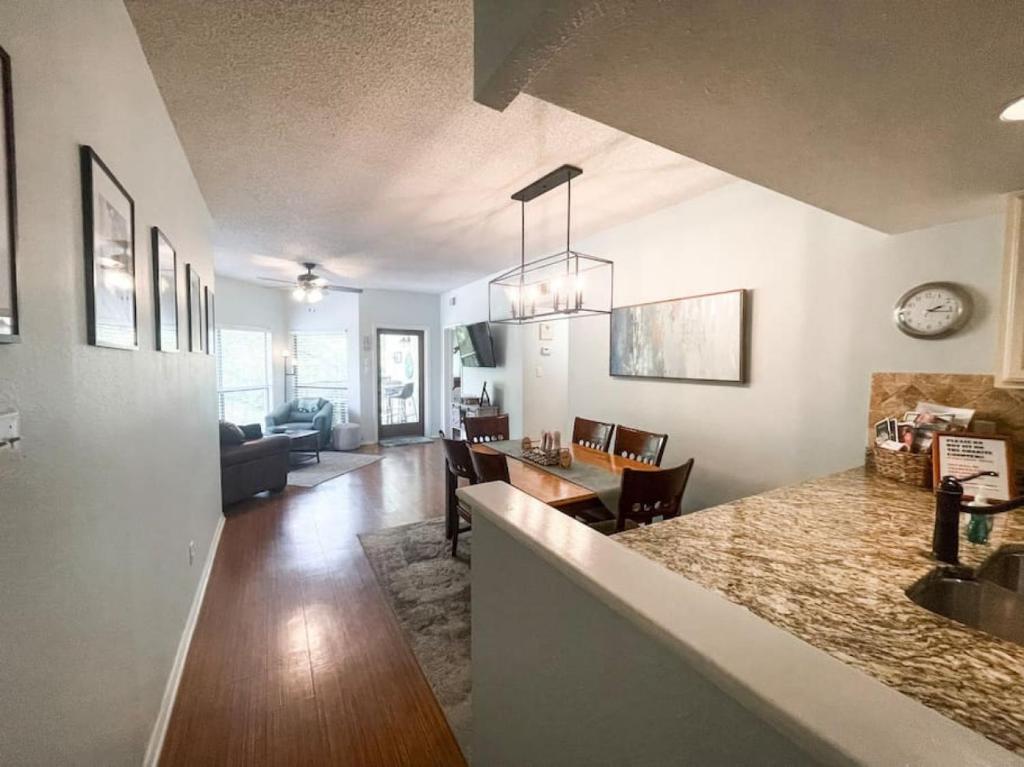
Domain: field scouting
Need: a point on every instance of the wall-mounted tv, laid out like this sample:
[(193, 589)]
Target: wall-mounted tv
[(475, 346)]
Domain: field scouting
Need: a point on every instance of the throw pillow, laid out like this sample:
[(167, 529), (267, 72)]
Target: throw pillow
[(307, 405), (230, 434)]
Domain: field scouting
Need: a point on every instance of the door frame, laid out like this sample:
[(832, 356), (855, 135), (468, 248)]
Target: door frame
[(419, 428)]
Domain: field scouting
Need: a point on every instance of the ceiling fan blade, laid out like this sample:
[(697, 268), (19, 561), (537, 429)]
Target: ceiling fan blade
[(342, 289), (290, 283)]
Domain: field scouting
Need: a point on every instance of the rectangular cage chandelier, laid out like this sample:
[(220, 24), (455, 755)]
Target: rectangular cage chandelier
[(564, 285)]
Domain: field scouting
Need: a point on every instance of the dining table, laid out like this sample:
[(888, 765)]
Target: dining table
[(594, 476)]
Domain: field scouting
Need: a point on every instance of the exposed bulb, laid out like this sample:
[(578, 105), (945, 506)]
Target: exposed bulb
[(299, 294)]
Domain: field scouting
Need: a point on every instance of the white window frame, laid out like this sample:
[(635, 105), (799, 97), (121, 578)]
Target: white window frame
[(340, 402), (269, 360)]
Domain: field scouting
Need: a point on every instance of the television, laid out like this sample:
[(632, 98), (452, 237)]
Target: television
[(475, 346)]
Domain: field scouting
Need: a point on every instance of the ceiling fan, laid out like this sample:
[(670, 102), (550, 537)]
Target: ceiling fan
[(309, 287)]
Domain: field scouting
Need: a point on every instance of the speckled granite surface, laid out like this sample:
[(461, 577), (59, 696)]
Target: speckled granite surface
[(828, 561)]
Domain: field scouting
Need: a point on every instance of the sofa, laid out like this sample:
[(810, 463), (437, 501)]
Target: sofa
[(251, 463), (302, 414)]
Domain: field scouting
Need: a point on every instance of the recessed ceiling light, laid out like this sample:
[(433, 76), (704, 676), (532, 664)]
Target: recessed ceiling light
[(1014, 111)]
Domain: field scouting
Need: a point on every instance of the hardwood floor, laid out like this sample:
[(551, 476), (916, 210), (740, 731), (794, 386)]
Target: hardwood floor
[(296, 658)]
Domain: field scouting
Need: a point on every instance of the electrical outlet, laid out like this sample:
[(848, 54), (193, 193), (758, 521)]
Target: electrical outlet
[(191, 553)]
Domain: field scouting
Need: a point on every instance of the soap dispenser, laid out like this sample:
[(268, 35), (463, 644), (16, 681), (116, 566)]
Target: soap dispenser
[(980, 525)]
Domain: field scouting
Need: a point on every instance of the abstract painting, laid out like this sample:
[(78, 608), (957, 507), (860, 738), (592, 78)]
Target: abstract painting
[(700, 338), (109, 224)]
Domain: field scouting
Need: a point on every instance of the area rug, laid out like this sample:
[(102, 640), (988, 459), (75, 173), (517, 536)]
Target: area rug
[(402, 441), (429, 592), (311, 473)]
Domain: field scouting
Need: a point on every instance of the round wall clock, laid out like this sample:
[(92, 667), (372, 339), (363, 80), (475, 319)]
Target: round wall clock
[(933, 310)]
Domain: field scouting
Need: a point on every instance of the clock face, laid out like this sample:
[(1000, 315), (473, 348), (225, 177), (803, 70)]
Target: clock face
[(932, 310)]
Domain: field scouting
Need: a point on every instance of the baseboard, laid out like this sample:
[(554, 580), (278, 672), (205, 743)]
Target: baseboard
[(163, 718)]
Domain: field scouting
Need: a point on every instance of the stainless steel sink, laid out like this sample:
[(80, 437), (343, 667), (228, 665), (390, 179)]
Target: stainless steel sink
[(959, 595), (1005, 568)]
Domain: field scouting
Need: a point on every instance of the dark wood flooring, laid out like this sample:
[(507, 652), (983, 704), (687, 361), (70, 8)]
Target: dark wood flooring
[(297, 659)]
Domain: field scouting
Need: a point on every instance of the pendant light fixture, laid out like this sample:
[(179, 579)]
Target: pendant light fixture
[(564, 285)]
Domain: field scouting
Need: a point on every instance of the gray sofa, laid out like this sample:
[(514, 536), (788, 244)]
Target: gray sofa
[(251, 466), (304, 413)]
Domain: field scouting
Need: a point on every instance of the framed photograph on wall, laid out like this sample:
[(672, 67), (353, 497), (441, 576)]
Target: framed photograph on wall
[(9, 330), (697, 338), (165, 292), (108, 214), (196, 341), (211, 324)]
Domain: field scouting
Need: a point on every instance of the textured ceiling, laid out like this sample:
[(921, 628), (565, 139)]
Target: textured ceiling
[(346, 133), (883, 111)]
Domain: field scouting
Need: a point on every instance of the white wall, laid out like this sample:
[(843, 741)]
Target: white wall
[(119, 466), (546, 379), (823, 291), (245, 305), (504, 382), (336, 313), (398, 310)]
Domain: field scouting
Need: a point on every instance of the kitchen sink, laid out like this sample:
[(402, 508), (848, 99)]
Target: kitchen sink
[(960, 595), (1005, 568)]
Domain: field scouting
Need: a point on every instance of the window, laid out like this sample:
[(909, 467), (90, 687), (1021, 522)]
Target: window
[(243, 375), (320, 364)]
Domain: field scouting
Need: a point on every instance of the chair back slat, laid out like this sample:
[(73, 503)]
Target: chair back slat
[(642, 446), (456, 453), (490, 467), (486, 428), (593, 434), (649, 494)]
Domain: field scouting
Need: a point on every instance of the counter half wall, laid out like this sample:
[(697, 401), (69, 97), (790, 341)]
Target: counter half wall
[(587, 653)]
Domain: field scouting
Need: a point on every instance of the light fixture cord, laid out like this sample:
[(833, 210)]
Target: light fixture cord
[(522, 255)]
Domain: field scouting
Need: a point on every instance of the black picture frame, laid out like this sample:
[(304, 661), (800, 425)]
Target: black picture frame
[(10, 327), (195, 310), (111, 272), (165, 292), (211, 325)]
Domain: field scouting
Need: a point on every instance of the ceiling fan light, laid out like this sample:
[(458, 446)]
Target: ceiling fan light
[(298, 294), (315, 296)]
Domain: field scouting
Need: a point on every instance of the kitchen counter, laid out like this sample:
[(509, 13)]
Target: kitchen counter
[(828, 561)]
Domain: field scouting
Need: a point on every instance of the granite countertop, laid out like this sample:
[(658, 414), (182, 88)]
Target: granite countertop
[(828, 561)]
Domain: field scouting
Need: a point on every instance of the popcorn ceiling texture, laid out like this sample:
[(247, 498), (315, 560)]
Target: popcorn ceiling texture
[(346, 133)]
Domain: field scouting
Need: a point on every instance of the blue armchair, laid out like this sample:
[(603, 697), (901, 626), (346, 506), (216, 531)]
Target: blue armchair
[(303, 414)]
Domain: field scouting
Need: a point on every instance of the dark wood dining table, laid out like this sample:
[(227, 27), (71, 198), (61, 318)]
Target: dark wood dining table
[(533, 479)]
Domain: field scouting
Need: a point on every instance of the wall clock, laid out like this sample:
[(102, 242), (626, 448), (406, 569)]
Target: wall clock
[(933, 310)]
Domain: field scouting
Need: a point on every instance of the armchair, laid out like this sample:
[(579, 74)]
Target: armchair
[(304, 413)]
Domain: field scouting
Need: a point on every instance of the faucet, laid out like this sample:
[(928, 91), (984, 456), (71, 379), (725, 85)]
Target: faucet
[(948, 505)]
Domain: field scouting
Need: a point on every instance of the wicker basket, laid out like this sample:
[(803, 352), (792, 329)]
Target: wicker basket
[(542, 457), (909, 468)]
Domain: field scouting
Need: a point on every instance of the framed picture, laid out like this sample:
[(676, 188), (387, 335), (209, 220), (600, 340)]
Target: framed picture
[(699, 338), (961, 454), (196, 340), (9, 330), (211, 325), (108, 212), (165, 292)]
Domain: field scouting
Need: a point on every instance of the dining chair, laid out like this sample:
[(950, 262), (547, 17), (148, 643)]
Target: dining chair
[(490, 467), (642, 446), (486, 428), (458, 464), (594, 434), (647, 495)]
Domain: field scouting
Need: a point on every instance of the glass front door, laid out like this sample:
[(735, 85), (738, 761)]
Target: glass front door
[(400, 397)]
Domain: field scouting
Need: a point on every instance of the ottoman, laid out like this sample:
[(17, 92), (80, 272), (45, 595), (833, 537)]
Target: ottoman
[(345, 436)]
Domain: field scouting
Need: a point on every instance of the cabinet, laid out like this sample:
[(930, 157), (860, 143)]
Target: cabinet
[(1010, 365)]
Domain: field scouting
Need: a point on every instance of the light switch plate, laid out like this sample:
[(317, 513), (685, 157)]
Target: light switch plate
[(540, 371), (10, 427)]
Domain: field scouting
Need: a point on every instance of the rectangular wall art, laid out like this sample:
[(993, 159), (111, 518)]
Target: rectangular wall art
[(194, 286), (109, 223), (165, 291), (699, 338), (8, 208)]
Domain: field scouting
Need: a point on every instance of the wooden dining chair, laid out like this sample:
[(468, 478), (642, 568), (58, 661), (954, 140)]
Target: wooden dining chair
[(458, 464), (490, 467), (486, 428), (643, 446), (595, 434), (647, 495)]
